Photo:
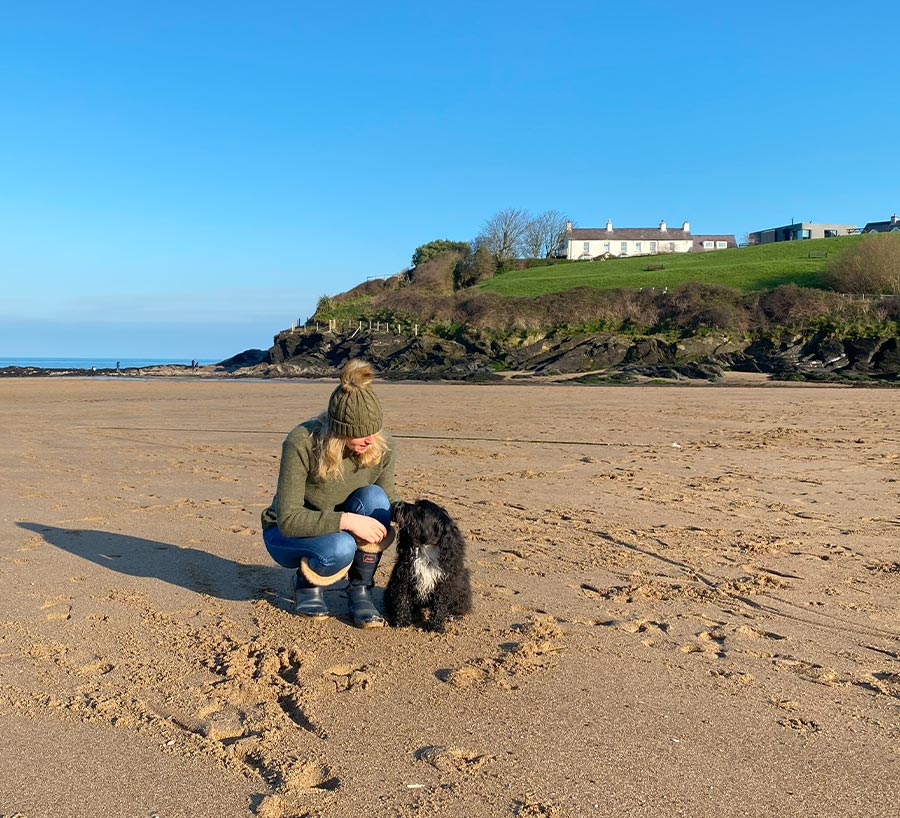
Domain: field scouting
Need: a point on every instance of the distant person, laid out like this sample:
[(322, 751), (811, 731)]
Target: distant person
[(331, 513), (117, 366)]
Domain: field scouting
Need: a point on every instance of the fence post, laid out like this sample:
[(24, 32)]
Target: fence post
[(416, 330)]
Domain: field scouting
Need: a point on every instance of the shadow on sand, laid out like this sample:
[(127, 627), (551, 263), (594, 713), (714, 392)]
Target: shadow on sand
[(188, 568)]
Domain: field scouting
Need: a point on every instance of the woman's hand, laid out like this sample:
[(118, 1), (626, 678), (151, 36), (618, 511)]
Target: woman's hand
[(367, 529)]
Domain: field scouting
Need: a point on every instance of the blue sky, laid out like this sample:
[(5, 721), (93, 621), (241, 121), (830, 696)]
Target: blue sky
[(185, 179)]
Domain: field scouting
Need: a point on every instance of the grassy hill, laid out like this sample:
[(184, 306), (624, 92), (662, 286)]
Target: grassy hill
[(744, 268)]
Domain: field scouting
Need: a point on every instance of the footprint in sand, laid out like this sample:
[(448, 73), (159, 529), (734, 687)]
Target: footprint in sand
[(756, 633), (349, 677), (804, 726), (732, 676), (644, 626), (59, 609), (98, 667), (536, 651), (222, 725), (303, 779), (528, 807), (452, 759)]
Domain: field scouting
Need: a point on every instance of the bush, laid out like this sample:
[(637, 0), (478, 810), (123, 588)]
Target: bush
[(790, 304), (872, 266), (437, 273), (695, 306), (473, 268), (433, 249)]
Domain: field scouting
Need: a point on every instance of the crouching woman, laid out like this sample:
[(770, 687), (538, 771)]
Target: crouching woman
[(331, 514)]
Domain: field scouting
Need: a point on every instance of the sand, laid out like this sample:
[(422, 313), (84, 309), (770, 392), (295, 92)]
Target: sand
[(686, 604)]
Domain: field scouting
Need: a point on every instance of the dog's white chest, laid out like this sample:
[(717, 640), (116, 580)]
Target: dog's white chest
[(427, 570)]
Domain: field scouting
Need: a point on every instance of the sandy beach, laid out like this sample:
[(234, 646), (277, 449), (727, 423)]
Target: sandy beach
[(686, 604)]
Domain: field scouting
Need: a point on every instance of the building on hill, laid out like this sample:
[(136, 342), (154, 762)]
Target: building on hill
[(797, 231), (721, 241), (590, 242), (892, 225)]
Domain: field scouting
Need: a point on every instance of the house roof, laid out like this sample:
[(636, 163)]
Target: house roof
[(881, 227), (627, 234), (728, 238)]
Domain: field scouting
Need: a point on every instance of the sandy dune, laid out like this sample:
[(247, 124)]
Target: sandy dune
[(686, 604)]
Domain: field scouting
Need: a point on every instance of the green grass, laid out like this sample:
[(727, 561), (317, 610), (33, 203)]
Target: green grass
[(743, 268)]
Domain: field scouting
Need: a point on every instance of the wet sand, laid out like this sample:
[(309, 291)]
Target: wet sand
[(686, 604)]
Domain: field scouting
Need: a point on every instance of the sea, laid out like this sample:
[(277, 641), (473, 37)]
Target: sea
[(99, 363)]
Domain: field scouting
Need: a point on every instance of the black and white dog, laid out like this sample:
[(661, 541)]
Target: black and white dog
[(430, 572)]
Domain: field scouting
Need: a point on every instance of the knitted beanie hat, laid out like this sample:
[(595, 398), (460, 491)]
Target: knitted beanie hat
[(354, 410)]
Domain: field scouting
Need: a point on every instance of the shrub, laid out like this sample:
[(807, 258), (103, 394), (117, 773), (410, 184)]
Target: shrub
[(473, 268), (872, 266), (437, 273), (696, 306), (790, 304), (432, 249)]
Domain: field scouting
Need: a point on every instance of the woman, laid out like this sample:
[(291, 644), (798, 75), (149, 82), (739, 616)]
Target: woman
[(331, 514)]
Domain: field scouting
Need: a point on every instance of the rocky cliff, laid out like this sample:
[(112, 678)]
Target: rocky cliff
[(473, 356)]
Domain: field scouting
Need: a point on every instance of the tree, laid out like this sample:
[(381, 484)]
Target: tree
[(502, 234), (872, 266), (426, 252), (474, 267), (544, 234)]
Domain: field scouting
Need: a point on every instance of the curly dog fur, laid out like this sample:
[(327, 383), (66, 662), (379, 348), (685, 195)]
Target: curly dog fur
[(430, 573)]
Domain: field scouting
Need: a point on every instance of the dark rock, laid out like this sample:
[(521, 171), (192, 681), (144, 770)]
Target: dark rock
[(249, 357), (860, 352), (471, 356), (886, 361)]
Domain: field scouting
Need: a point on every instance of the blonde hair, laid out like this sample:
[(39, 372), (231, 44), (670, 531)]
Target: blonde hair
[(329, 449)]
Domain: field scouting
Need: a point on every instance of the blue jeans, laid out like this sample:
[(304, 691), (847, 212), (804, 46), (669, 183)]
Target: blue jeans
[(329, 553)]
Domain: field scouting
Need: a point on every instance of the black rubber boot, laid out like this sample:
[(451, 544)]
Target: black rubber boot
[(308, 598), (362, 579)]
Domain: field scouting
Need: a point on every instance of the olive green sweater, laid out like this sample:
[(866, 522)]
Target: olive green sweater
[(304, 505)]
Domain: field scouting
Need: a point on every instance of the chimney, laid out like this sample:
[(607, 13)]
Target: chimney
[(609, 225), (686, 227), (894, 219), (662, 226), (568, 227)]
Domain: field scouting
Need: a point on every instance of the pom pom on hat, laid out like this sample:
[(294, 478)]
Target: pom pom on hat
[(354, 410)]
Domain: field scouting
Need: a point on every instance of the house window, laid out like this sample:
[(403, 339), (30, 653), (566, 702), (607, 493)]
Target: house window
[(721, 245), (830, 234), (623, 248), (652, 246), (606, 247), (587, 248), (671, 246), (637, 247), (708, 245)]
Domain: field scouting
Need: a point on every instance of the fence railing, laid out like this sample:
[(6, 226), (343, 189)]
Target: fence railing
[(356, 326)]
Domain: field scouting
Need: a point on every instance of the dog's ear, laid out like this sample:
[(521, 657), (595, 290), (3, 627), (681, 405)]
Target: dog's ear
[(400, 513)]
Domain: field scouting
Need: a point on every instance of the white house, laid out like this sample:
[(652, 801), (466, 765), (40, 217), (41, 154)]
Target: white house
[(590, 242)]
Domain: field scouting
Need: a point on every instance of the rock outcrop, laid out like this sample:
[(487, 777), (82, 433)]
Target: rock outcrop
[(471, 356)]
